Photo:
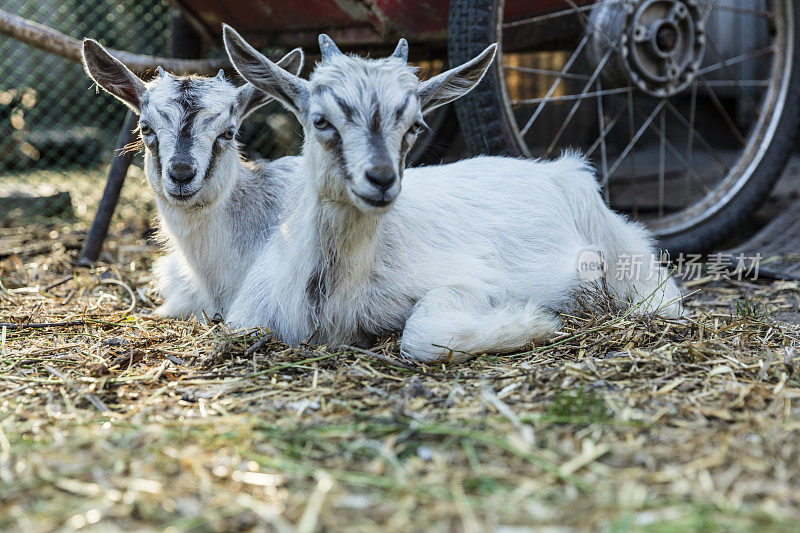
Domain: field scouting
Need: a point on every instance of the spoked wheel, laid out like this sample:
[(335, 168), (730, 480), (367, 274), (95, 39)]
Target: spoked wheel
[(687, 108)]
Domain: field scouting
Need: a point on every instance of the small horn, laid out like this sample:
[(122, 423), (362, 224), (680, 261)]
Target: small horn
[(220, 75), (401, 52), (328, 47), (160, 71)]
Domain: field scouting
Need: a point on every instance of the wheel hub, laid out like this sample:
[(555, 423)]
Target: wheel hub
[(655, 45)]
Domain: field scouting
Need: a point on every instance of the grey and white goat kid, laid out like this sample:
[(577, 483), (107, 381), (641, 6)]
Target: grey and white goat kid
[(215, 210), (471, 257)]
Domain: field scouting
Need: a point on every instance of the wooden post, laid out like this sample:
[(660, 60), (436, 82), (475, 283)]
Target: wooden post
[(55, 42), (116, 177), (185, 42)]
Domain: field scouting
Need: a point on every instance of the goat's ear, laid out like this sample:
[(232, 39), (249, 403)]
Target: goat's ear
[(111, 75), (401, 51), (327, 48), (292, 62), (278, 83), (249, 98), (456, 82)]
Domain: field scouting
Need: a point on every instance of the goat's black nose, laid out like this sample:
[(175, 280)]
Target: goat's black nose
[(381, 176), (182, 172)]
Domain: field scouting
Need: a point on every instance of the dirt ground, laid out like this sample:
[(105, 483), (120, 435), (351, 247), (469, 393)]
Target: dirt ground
[(113, 420)]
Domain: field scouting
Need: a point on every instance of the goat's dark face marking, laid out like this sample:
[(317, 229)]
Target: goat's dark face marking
[(363, 116), (360, 116), (188, 124)]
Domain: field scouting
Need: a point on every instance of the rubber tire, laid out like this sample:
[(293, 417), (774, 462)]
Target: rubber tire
[(480, 112), (431, 148), (486, 131)]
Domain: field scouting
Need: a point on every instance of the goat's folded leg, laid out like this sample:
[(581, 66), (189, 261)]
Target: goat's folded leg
[(454, 323), (647, 286), (180, 300), (634, 270)]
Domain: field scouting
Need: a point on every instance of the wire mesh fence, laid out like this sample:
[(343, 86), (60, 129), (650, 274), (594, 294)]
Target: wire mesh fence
[(57, 133)]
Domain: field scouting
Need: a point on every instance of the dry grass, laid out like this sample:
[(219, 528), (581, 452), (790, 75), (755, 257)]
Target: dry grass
[(118, 421)]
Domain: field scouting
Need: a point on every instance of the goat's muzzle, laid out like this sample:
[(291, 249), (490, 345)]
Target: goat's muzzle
[(381, 177), (181, 172), (380, 186)]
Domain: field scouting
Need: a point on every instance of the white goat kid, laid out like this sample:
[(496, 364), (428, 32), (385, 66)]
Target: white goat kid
[(472, 257), (215, 209)]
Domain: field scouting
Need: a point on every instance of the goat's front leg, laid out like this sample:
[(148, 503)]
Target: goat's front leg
[(181, 299), (453, 322)]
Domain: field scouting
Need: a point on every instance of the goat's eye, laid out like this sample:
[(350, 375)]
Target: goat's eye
[(416, 128), (320, 123), (145, 128), (229, 134)]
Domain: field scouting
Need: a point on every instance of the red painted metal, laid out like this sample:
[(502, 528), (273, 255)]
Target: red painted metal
[(277, 15), (413, 17), (356, 21), (520, 9)]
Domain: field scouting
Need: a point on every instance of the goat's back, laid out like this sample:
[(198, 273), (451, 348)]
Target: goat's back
[(496, 221)]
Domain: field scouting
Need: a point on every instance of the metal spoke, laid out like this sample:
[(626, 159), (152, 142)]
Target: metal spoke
[(604, 133), (744, 83), (570, 97), (662, 161), (728, 120), (735, 60), (555, 84), (587, 22), (551, 16), (690, 142), (545, 72), (577, 104), (601, 121), (708, 12), (743, 10), (638, 134), (693, 131), (678, 156), (633, 157), (730, 72), (648, 167)]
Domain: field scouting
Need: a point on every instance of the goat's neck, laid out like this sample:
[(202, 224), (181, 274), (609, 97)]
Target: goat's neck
[(345, 238), (346, 235), (192, 231), (184, 227)]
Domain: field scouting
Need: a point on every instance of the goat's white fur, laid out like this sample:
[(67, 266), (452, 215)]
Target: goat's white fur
[(213, 236), (472, 257), (211, 250)]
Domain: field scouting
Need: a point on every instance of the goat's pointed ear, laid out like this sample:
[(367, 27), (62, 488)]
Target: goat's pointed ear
[(456, 82), (327, 47), (278, 83), (249, 98), (111, 75), (292, 62), (401, 52)]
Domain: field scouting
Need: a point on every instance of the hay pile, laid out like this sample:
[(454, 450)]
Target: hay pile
[(113, 420)]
